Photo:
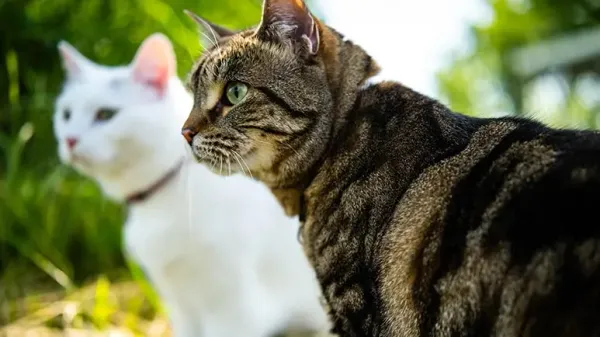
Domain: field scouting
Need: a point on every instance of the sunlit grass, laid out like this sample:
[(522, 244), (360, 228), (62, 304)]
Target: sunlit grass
[(57, 233), (57, 220), (101, 308)]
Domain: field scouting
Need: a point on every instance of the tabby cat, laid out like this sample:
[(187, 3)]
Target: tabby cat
[(418, 221)]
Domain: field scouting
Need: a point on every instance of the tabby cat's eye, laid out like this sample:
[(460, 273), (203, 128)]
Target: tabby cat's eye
[(105, 114), (66, 114), (235, 92)]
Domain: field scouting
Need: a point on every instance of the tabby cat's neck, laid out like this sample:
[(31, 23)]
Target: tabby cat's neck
[(386, 120), (359, 109), (347, 67)]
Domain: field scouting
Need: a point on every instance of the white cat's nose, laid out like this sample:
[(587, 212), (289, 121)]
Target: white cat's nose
[(71, 142)]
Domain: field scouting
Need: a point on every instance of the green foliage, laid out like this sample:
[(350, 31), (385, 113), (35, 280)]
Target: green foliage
[(483, 81), (55, 226), (57, 220)]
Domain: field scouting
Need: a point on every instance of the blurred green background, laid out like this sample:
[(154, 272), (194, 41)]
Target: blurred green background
[(59, 234), (57, 231), (534, 58)]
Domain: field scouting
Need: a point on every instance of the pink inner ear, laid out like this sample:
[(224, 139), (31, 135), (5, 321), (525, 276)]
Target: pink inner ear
[(72, 61), (68, 63), (291, 13), (154, 62)]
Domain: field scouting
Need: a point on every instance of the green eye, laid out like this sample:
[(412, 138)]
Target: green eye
[(105, 114), (235, 92)]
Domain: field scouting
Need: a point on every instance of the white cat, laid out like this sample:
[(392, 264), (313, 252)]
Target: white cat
[(220, 251)]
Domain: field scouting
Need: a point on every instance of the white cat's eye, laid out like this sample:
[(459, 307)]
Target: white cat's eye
[(105, 114), (235, 92), (66, 114)]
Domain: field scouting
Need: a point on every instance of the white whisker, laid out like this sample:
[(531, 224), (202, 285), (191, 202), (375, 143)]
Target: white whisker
[(239, 163), (188, 193), (208, 37), (189, 198), (219, 49), (214, 36), (212, 164), (280, 142), (243, 161)]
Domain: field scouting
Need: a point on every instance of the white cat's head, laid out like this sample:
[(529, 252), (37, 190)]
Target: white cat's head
[(122, 122)]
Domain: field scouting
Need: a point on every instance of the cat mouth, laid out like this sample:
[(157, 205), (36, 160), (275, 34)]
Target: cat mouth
[(220, 161), (80, 163)]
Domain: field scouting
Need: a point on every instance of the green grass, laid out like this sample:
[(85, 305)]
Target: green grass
[(59, 238), (57, 220), (95, 309)]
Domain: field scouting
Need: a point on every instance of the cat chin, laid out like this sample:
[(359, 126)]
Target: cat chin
[(221, 168), (84, 167), (74, 162), (224, 169)]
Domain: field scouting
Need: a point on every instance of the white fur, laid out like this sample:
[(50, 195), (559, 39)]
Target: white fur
[(219, 250)]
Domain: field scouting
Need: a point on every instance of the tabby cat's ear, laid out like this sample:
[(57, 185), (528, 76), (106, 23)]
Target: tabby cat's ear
[(289, 21), (73, 62), (210, 33), (154, 62)]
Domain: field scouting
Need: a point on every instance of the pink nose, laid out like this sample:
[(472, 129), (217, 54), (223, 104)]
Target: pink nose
[(188, 134), (71, 142)]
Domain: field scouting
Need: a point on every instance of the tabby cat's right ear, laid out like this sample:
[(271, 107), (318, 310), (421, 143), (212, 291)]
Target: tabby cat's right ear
[(289, 22), (73, 62), (210, 32)]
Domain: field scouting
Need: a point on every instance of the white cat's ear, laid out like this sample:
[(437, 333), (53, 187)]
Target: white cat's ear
[(154, 62), (210, 33), (290, 22), (73, 62)]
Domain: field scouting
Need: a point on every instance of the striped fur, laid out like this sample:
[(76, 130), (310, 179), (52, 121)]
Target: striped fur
[(418, 221)]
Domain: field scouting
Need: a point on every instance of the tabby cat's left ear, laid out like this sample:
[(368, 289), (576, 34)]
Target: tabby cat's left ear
[(289, 21)]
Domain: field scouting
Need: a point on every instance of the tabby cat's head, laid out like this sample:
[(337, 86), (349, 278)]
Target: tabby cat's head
[(265, 97)]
